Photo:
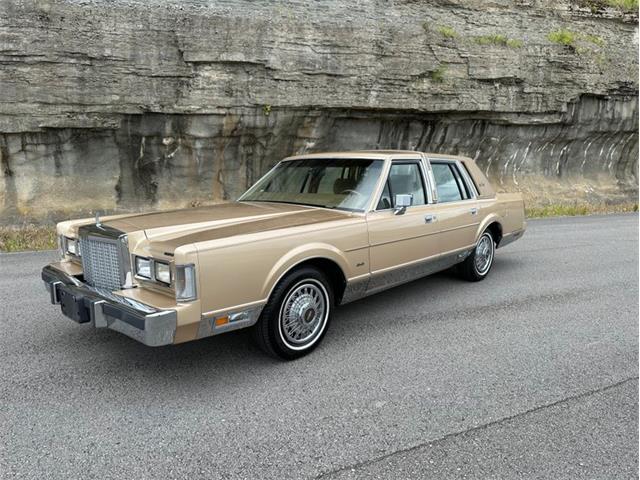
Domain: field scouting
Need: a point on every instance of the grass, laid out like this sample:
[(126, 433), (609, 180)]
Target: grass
[(497, 39), (447, 32), (29, 237), (577, 209), (438, 74), (597, 6), (562, 37), (595, 39), (33, 237), (627, 5)]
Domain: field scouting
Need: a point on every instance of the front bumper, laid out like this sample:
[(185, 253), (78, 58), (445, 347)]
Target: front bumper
[(85, 304)]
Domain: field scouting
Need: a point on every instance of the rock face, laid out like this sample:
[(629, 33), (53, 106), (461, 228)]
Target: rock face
[(129, 105)]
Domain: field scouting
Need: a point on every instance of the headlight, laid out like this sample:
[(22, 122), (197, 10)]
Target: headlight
[(162, 272), (143, 267), (185, 283)]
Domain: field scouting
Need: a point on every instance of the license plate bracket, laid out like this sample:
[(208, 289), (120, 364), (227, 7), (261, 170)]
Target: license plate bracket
[(74, 307)]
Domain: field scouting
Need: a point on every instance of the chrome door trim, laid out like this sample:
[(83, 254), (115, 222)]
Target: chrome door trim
[(394, 276), (463, 174), (380, 188)]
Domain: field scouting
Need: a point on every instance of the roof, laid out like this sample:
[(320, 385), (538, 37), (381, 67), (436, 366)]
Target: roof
[(381, 154)]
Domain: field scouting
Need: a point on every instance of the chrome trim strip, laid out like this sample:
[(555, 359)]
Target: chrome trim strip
[(430, 178), (510, 238), (229, 311), (355, 290), (467, 179), (208, 327), (388, 278)]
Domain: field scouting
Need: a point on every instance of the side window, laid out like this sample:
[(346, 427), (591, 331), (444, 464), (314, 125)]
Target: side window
[(446, 182), (404, 179)]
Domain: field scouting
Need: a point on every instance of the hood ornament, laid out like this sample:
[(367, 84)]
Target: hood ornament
[(98, 222)]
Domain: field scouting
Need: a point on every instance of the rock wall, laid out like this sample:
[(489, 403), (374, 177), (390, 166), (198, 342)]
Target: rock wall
[(130, 105)]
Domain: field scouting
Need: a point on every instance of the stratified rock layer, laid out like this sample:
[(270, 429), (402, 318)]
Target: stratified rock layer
[(130, 105)]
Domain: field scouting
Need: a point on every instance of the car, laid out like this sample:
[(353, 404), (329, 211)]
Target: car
[(315, 232)]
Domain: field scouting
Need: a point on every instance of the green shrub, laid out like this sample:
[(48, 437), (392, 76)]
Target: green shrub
[(497, 39), (597, 6), (447, 32), (628, 5), (562, 37), (595, 39), (438, 74)]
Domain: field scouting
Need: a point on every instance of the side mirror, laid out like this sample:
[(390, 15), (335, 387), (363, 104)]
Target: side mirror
[(402, 201)]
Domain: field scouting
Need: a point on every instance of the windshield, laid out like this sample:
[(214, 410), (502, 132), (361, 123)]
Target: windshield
[(343, 183)]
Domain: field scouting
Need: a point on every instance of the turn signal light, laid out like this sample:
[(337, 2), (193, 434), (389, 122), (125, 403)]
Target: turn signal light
[(221, 321)]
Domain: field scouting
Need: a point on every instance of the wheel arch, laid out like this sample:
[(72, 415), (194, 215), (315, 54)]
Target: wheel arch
[(494, 225), (327, 260)]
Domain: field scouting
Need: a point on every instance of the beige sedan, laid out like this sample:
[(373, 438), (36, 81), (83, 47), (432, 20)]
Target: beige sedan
[(315, 232)]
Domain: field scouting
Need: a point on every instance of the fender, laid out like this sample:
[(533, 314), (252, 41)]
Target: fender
[(299, 255), (488, 220)]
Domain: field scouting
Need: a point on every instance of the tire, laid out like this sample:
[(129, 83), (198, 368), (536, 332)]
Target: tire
[(297, 315), (476, 266)]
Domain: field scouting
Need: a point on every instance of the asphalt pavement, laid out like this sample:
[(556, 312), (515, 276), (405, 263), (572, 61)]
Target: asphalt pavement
[(532, 373)]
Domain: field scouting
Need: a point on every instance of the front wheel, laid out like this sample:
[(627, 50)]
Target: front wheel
[(477, 265), (297, 315)]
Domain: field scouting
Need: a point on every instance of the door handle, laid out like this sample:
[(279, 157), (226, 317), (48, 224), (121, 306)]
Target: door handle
[(474, 211), (429, 218)]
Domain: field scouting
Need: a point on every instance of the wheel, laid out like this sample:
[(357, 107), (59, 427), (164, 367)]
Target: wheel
[(477, 265), (297, 315)]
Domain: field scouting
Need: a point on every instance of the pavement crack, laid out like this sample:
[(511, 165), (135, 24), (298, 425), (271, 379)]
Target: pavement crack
[(477, 428)]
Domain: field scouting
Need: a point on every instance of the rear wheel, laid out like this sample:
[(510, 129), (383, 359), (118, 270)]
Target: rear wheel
[(477, 265), (297, 315)]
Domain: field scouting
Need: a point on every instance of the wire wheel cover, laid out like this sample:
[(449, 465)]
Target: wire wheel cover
[(303, 313), (484, 254)]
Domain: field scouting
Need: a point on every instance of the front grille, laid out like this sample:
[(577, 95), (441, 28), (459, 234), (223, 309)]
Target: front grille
[(101, 263)]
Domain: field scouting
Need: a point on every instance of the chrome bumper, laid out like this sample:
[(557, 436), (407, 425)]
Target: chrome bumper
[(84, 304)]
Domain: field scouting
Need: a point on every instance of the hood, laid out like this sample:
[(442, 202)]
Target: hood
[(181, 227)]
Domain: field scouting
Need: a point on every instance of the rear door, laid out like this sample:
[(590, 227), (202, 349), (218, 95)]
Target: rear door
[(457, 206), (400, 244)]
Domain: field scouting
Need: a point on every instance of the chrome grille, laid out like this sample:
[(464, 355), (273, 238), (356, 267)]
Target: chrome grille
[(101, 263)]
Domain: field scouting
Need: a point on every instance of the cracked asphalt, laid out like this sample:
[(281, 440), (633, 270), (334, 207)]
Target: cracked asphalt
[(532, 373)]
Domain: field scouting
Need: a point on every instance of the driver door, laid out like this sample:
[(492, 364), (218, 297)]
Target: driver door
[(401, 244)]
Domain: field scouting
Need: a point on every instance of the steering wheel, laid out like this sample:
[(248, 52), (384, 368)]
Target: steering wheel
[(349, 191)]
